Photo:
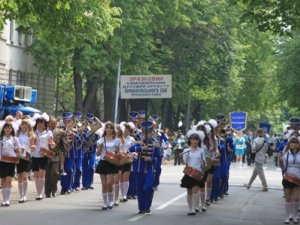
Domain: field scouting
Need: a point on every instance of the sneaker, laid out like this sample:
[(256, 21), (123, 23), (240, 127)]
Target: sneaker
[(197, 210), (208, 202), (287, 221), (246, 185), (264, 189), (191, 214), (203, 209)]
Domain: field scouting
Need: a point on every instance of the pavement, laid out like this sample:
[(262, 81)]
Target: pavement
[(242, 206)]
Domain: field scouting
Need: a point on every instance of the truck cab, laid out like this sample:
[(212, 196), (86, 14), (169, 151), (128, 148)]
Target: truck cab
[(15, 98)]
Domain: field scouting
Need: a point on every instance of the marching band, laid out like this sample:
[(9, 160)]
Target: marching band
[(130, 156)]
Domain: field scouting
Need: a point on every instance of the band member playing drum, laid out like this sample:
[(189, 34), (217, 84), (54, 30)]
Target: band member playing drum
[(27, 140), (9, 152), (39, 160), (109, 143), (193, 158), (291, 179)]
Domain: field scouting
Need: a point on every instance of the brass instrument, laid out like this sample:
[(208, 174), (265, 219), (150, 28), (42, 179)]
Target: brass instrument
[(91, 127)]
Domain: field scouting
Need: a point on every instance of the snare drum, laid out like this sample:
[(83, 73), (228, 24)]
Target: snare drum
[(48, 153), (112, 158), (193, 173), (10, 159)]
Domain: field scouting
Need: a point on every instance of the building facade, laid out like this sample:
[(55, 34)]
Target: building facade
[(17, 67)]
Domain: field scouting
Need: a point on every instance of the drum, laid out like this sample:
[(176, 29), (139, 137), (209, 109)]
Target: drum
[(125, 159), (113, 158), (292, 179), (193, 173), (10, 159), (48, 153)]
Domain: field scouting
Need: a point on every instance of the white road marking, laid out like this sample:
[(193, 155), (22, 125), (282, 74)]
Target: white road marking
[(136, 218), (171, 201)]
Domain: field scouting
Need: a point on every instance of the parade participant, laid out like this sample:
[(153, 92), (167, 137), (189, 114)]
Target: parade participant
[(73, 145), (240, 146), (163, 141), (126, 142), (53, 167), (193, 157), (147, 152), (78, 155), (229, 151), (259, 147), (107, 143), (27, 140), (291, 180), (90, 139), (178, 146), (117, 176), (44, 140), (10, 148), (137, 135)]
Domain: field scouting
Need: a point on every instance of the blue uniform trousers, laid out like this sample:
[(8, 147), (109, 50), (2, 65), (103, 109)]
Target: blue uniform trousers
[(88, 168), (144, 196)]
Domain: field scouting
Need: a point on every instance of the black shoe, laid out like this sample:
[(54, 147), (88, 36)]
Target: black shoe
[(104, 208), (197, 210), (148, 211), (91, 187), (129, 197), (63, 192), (54, 195), (116, 204), (142, 212), (133, 197), (110, 207), (21, 201), (39, 198), (84, 188), (226, 193), (191, 214), (48, 196)]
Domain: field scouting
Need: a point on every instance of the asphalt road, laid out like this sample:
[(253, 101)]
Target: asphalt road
[(242, 206)]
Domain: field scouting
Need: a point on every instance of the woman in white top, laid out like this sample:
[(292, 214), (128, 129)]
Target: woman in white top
[(126, 142), (107, 143), (291, 168), (27, 141), (193, 157), (10, 150), (44, 139)]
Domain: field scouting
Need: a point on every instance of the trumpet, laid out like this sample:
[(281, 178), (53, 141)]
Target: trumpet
[(91, 128)]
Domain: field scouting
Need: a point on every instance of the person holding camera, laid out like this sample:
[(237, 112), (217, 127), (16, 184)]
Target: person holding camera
[(259, 147)]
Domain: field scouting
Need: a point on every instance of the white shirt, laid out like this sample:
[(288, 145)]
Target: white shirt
[(129, 141), (193, 157), (261, 154), (8, 146), (42, 142), (108, 145), (291, 163), (25, 143)]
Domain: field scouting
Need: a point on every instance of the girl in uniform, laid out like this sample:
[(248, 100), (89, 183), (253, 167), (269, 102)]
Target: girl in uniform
[(44, 139), (291, 179), (27, 140), (107, 143), (9, 150), (193, 157), (126, 142)]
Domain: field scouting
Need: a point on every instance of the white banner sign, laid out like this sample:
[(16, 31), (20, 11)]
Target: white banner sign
[(146, 86)]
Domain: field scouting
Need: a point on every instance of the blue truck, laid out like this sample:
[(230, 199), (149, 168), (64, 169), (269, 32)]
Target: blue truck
[(15, 98)]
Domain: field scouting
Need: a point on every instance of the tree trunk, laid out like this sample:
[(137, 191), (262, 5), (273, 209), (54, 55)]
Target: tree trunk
[(77, 80), (108, 92), (167, 114), (90, 100)]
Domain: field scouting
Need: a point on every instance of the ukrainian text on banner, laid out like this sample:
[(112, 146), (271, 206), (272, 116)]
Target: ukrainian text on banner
[(238, 120), (146, 86)]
